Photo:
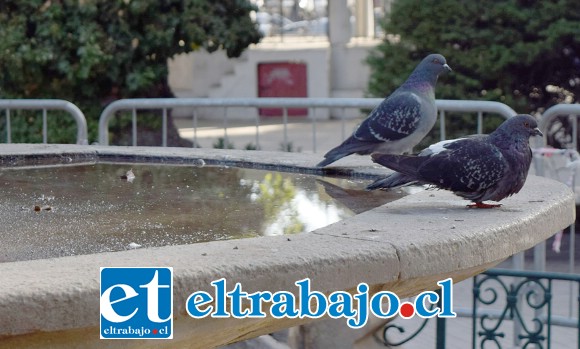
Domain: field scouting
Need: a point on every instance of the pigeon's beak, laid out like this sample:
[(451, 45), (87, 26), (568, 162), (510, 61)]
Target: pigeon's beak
[(448, 68), (537, 132)]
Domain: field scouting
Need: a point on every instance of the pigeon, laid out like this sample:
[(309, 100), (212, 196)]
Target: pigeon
[(477, 168), (401, 120)]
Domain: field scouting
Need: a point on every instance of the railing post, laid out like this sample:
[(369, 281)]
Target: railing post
[(134, 126), (164, 128), (578, 312), (474, 295), (313, 115), (443, 135), (257, 132), (194, 115), (549, 314), (226, 138), (574, 131), (44, 127), (285, 121), (8, 127)]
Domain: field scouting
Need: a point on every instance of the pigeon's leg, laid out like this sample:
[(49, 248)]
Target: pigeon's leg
[(483, 205)]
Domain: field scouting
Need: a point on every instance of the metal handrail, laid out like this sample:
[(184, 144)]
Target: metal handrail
[(285, 103), (558, 110), (470, 105), (533, 274), (522, 289), (531, 289), (44, 105)]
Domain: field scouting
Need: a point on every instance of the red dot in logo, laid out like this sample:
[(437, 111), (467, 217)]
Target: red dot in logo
[(155, 331), (407, 310)]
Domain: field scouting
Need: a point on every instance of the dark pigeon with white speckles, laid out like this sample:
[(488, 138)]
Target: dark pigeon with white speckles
[(402, 120), (477, 168)]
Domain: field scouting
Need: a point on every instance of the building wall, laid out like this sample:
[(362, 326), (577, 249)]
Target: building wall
[(192, 75), (200, 74)]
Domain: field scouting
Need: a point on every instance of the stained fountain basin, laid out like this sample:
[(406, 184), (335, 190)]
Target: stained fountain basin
[(405, 246)]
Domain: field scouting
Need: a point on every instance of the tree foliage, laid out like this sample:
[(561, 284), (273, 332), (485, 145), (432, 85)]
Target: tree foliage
[(93, 51), (523, 53)]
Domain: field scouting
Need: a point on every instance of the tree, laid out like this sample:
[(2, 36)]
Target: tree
[(523, 53), (94, 51)]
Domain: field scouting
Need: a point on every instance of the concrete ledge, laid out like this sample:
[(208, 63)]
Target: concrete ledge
[(404, 247)]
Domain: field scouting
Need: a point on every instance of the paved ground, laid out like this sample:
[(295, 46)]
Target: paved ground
[(330, 133)]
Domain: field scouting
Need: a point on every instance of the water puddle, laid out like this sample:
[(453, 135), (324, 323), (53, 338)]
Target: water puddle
[(61, 211)]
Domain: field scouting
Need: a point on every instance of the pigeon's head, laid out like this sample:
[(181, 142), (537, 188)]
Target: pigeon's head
[(435, 64), (524, 125)]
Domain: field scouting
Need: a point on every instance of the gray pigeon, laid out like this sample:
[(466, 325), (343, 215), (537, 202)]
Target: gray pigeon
[(477, 168), (402, 120)]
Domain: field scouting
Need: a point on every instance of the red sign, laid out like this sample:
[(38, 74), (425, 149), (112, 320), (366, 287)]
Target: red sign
[(282, 79)]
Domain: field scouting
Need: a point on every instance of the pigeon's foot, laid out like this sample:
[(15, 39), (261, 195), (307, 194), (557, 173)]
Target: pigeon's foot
[(483, 205)]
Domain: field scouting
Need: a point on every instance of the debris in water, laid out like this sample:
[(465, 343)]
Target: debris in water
[(198, 163), (134, 246), (45, 198), (129, 176), (38, 208)]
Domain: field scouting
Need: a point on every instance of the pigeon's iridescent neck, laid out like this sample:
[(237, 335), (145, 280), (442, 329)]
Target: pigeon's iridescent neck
[(423, 87), (422, 79)]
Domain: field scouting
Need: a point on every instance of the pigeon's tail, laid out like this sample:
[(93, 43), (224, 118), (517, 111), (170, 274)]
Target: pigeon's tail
[(406, 167), (350, 146), (394, 180), (405, 164), (330, 159)]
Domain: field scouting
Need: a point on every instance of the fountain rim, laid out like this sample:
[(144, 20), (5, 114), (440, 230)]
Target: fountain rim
[(404, 246)]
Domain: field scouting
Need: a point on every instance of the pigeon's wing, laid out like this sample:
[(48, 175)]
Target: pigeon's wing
[(447, 144), (465, 165), (395, 118)]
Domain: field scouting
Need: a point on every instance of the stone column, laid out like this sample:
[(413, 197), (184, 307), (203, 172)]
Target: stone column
[(365, 18), (339, 31), (339, 34)]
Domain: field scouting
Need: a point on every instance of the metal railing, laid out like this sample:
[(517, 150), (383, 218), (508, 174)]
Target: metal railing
[(510, 309), (526, 290), (165, 104), (553, 112), (44, 105)]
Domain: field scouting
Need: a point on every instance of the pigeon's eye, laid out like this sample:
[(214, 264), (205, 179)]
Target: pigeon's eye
[(526, 124), (435, 60)]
